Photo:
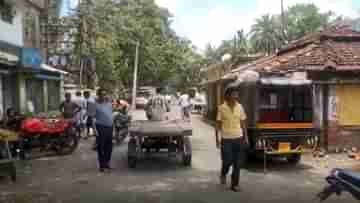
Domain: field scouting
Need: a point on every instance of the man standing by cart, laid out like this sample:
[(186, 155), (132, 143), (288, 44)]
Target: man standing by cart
[(157, 107), (231, 123), (104, 128)]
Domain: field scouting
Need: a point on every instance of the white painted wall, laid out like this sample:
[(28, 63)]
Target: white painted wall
[(1, 100), (13, 33)]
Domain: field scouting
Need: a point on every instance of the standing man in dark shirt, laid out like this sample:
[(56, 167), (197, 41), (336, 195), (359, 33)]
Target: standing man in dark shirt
[(104, 128), (69, 108)]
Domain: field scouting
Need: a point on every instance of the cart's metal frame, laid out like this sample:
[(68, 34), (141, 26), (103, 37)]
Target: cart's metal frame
[(177, 140)]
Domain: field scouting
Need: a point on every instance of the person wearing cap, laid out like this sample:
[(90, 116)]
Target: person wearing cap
[(231, 123)]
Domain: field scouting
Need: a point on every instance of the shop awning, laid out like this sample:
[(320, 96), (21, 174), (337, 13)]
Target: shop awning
[(8, 59), (247, 76), (285, 81), (51, 69), (293, 79), (47, 77)]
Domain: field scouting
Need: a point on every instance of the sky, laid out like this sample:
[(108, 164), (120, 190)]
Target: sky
[(211, 21)]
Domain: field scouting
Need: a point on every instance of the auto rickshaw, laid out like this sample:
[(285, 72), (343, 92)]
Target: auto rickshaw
[(279, 112)]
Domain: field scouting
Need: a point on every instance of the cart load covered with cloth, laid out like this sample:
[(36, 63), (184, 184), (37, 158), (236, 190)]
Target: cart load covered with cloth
[(173, 135)]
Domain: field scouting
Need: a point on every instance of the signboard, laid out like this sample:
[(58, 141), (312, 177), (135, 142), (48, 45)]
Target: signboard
[(31, 58)]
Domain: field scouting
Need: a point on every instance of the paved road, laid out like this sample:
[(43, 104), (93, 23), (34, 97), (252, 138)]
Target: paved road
[(75, 179)]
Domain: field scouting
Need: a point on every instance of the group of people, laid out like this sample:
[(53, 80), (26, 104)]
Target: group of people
[(96, 114), (79, 109), (231, 129), (159, 105)]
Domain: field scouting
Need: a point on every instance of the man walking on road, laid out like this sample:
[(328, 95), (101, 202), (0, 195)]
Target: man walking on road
[(104, 128), (231, 123), (185, 104)]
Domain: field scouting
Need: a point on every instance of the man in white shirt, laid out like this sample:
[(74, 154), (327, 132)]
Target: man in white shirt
[(157, 107), (185, 105), (80, 115), (89, 106)]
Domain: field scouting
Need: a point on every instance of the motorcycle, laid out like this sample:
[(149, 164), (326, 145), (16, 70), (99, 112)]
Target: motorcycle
[(341, 180), (121, 126), (58, 135)]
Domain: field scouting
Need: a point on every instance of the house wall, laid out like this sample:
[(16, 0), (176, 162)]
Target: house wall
[(335, 134), (345, 131), (14, 30)]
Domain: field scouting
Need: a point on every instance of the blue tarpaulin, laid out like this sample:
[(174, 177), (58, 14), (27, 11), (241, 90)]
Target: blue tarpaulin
[(31, 58), (47, 77)]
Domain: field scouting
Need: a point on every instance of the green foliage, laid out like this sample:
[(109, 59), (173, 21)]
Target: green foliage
[(265, 34), (117, 28), (268, 34), (304, 18)]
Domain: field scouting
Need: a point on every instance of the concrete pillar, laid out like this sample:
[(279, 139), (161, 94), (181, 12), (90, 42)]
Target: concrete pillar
[(2, 113), (62, 90), (22, 93), (46, 95)]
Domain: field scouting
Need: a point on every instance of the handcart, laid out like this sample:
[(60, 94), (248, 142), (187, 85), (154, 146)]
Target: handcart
[(172, 135), (7, 163)]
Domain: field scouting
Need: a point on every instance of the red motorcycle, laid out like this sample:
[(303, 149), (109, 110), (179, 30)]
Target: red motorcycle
[(58, 135)]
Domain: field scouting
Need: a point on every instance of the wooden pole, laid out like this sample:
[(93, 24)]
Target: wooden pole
[(135, 75)]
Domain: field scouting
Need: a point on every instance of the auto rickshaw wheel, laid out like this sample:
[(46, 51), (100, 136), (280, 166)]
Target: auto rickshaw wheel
[(13, 172), (132, 161), (187, 160), (294, 159)]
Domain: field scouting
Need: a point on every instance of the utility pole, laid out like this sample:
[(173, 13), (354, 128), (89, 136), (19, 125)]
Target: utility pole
[(135, 76), (80, 28), (282, 18)]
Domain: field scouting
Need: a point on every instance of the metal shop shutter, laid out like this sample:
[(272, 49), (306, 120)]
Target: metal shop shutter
[(53, 95), (35, 94)]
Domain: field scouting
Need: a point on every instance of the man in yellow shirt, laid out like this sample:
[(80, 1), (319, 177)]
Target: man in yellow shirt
[(231, 123)]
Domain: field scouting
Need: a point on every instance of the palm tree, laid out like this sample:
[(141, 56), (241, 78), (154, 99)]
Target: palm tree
[(265, 35)]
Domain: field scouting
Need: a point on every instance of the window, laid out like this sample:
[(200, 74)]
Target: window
[(7, 11), (285, 104)]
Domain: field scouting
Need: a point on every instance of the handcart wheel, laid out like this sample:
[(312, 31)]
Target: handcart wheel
[(187, 152)]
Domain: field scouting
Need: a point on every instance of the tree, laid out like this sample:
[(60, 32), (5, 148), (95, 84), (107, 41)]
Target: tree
[(267, 34), (264, 35), (116, 26), (304, 18)]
